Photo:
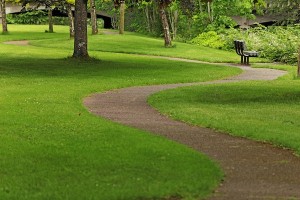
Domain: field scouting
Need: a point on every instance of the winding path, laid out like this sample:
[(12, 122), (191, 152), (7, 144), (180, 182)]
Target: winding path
[(253, 170)]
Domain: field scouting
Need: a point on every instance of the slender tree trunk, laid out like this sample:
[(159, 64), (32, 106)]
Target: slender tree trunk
[(148, 18), (94, 17), (122, 17), (71, 20), (50, 20), (298, 72), (165, 24), (209, 11), (173, 17), (3, 14), (80, 41), (200, 6)]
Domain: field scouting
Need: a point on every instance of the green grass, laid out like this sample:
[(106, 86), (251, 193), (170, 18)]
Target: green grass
[(130, 43), (52, 148), (260, 110)]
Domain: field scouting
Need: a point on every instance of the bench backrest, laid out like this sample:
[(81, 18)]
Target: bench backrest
[(240, 46)]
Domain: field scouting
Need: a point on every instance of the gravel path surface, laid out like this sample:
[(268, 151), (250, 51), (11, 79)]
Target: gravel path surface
[(18, 42), (253, 170)]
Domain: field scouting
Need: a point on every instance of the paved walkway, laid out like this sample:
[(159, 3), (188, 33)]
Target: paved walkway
[(253, 170)]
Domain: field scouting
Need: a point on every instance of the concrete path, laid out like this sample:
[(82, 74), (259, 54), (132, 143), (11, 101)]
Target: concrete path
[(253, 170)]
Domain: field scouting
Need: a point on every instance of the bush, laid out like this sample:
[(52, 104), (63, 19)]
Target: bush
[(279, 44), (209, 39), (32, 17)]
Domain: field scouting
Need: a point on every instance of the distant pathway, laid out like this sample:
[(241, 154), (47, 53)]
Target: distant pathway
[(253, 170)]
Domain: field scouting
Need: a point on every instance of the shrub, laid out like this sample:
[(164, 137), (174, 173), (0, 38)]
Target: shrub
[(209, 39), (279, 44)]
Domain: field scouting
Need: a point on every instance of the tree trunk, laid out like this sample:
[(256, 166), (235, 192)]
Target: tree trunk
[(147, 18), (94, 17), (71, 20), (3, 14), (50, 20), (122, 17), (173, 18), (298, 73), (80, 41), (165, 24)]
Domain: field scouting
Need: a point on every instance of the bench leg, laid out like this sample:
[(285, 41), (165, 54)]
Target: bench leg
[(247, 60), (242, 59)]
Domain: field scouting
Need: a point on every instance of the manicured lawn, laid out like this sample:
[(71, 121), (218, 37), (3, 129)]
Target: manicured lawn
[(265, 111), (131, 43), (52, 148)]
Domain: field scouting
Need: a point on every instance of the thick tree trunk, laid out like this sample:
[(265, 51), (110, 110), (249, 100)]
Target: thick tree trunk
[(50, 20), (71, 20), (165, 24), (3, 14), (122, 17), (94, 17), (80, 41)]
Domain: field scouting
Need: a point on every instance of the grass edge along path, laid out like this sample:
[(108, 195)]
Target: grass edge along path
[(253, 170), (52, 148)]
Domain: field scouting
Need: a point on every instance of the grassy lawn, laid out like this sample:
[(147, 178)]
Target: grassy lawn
[(260, 110), (130, 43), (52, 148)]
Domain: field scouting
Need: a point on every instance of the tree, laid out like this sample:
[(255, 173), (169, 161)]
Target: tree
[(298, 71), (120, 4), (162, 5), (3, 14), (68, 5), (122, 16), (80, 41), (93, 17)]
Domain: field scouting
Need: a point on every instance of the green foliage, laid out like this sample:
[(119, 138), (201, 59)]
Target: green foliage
[(276, 43), (209, 39), (32, 17), (35, 17), (279, 44)]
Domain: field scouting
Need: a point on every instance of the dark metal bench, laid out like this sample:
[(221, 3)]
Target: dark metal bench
[(241, 49)]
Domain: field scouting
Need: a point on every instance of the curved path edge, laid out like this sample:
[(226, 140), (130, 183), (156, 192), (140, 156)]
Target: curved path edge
[(253, 170)]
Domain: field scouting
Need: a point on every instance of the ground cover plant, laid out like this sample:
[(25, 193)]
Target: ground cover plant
[(52, 148), (260, 110)]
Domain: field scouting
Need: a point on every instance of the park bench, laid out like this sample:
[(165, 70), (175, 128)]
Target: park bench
[(241, 49)]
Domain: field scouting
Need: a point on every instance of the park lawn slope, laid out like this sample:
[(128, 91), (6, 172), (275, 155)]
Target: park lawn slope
[(52, 148), (130, 43), (260, 110)]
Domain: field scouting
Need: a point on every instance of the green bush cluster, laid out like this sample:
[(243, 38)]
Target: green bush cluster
[(209, 39), (277, 43), (35, 17)]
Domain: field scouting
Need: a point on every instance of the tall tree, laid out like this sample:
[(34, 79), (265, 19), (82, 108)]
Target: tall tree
[(162, 5), (3, 14), (71, 19), (93, 17), (122, 17), (120, 5), (50, 19), (80, 41)]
